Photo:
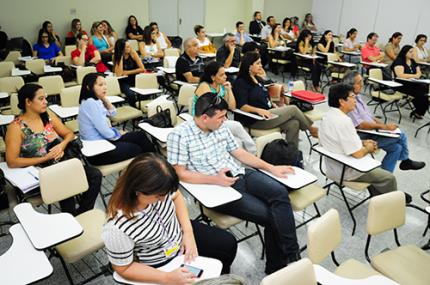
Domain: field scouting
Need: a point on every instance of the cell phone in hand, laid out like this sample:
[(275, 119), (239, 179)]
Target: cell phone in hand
[(229, 174), (197, 272)]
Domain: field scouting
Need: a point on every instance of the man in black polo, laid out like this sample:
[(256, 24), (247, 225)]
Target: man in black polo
[(228, 55), (189, 66)]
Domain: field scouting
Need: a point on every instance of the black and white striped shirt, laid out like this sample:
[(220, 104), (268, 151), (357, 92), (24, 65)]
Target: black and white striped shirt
[(144, 237)]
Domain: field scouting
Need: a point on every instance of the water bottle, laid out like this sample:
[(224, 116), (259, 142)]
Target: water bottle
[(290, 86)]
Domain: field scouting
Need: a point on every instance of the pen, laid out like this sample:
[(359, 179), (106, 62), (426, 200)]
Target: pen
[(34, 176)]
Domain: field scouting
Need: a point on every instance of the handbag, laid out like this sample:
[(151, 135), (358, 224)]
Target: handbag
[(72, 150), (161, 119)]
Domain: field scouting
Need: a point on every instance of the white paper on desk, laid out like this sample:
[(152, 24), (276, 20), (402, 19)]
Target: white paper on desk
[(211, 195), (254, 116), (426, 81), (158, 133), (379, 133), (145, 91), (25, 179), (299, 179), (232, 69)]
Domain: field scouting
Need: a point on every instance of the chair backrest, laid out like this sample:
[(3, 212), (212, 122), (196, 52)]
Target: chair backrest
[(62, 180), (67, 60), (172, 52), (36, 66), (52, 84), (70, 96), (68, 50), (185, 93), (386, 212), (134, 44), (170, 61), (298, 85), (14, 104), (6, 68), (152, 109), (375, 73), (324, 235), (113, 88), (300, 272), (11, 84), (332, 57), (13, 56), (81, 71), (262, 141), (146, 81)]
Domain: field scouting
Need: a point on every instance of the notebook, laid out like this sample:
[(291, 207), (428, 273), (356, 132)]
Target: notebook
[(26, 179)]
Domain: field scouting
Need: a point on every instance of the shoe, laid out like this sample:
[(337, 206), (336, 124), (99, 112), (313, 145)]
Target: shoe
[(314, 132), (414, 115), (408, 198), (411, 165)]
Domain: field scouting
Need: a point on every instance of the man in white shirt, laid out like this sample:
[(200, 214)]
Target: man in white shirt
[(337, 134), (267, 29)]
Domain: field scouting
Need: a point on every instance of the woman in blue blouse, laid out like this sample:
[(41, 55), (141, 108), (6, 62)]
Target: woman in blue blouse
[(93, 125), (44, 49)]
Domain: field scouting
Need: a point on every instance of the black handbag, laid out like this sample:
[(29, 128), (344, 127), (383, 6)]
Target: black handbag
[(161, 119), (303, 106)]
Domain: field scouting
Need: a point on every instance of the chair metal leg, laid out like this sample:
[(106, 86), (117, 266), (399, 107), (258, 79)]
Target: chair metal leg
[(69, 277)]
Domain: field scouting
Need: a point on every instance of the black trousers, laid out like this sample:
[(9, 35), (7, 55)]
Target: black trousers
[(87, 199), (417, 90), (128, 146), (315, 68), (215, 243)]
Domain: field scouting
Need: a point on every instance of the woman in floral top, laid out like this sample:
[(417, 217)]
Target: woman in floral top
[(37, 137)]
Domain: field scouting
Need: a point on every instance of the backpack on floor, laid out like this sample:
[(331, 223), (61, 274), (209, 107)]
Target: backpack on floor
[(280, 152)]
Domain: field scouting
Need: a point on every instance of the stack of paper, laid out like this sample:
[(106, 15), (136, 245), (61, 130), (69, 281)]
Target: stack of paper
[(25, 179)]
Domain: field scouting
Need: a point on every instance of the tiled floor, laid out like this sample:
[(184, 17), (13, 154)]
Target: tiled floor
[(248, 263)]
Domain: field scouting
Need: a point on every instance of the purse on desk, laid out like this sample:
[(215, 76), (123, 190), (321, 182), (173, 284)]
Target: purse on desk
[(161, 119)]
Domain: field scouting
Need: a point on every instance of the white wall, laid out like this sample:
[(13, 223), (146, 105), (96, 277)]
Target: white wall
[(24, 17), (223, 14), (410, 17), (286, 8)]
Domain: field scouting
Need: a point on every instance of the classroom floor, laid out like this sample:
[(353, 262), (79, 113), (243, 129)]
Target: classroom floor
[(248, 263)]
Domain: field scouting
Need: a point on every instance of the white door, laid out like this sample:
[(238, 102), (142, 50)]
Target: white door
[(165, 13), (190, 13)]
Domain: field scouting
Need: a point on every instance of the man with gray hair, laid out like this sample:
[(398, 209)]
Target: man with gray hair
[(396, 148), (189, 66), (228, 55)]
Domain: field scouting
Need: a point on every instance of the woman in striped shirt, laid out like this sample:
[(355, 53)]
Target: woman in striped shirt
[(148, 226)]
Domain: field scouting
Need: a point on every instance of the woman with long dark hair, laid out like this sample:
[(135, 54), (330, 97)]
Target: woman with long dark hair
[(152, 51), (405, 67), (392, 48), (38, 137), (94, 108), (305, 46), (53, 36), (126, 62), (251, 96), (148, 225), (326, 43), (44, 49), (351, 43)]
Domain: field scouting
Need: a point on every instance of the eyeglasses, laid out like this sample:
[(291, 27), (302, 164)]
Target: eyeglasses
[(215, 101), (44, 37)]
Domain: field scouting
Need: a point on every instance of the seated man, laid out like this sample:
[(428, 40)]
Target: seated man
[(242, 37), (257, 24), (203, 151), (370, 51), (228, 55), (362, 118), (189, 66), (338, 135), (267, 29)]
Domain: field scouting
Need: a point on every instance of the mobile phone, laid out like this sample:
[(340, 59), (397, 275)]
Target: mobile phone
[(197, 272), (229, 174)]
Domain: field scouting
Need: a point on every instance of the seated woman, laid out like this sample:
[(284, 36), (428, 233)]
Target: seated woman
[(109, 32), (351, 43), (148, 225), (37, 137), (214, 80), (295, 26), (133, 30), (308, 23), (53, 36), (326, 43), (151, 52), (101, 42), (205, 45), (420, 52), (126, 62), (275, 38), (87, 54), (251, 96), (392, 48), (44, 49), (76, 29), (304, 46), (287, 32), (94, 108), (162, 39), (404, 66)]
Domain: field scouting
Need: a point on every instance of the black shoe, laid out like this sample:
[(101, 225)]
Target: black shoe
[(408, 198), (411, 165)]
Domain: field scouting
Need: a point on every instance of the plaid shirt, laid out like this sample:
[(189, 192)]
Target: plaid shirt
[(206, 153)]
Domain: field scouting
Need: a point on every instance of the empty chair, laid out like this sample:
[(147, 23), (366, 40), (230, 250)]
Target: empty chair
[(170, 61), (52, 85), (36, 66), (13, 56), (6, 68), (68, 50), (407, 264), (134, 44), (172, 52), (300, 272), (70, 98), (58, 176), (81, 71), (324, 235), (146, 81), (186, 94), (11, 84)]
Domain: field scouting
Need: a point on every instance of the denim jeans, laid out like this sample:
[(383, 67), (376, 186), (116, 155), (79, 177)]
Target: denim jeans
[(395, 148), (265, 201)]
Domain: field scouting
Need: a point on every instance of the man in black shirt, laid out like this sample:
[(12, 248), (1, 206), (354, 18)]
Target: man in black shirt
[(189, 66), (256, 25), (228, 55)]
